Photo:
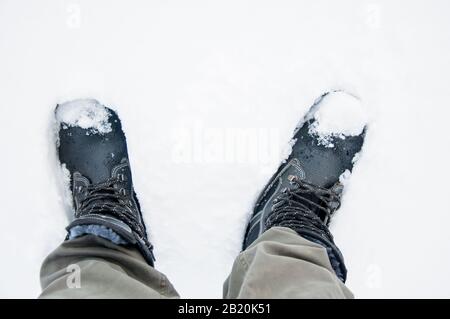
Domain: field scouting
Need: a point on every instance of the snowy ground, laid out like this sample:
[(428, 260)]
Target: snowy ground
[(209, 94)]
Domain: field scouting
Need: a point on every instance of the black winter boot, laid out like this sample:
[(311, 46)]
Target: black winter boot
[(92, 149), (306, 190)]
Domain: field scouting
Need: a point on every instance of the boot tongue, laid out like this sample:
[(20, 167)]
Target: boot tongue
[(308, 197), (103, 197)]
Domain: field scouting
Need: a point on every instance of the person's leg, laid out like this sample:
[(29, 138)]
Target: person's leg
[(282, 264), (107, 253), (288, 249), (92, 267)]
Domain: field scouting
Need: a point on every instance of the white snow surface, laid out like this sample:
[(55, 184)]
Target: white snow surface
[(339, 115), (88, 114), (209, 94)]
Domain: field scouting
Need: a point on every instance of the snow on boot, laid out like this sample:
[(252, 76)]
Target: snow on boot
[(307, 187), (92, 149)]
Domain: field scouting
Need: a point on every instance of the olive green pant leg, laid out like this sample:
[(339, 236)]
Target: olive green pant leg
[(282, 264), (92, 267)]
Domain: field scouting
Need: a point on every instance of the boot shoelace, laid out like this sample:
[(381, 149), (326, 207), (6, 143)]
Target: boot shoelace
[(297, 208), (108, 199)]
